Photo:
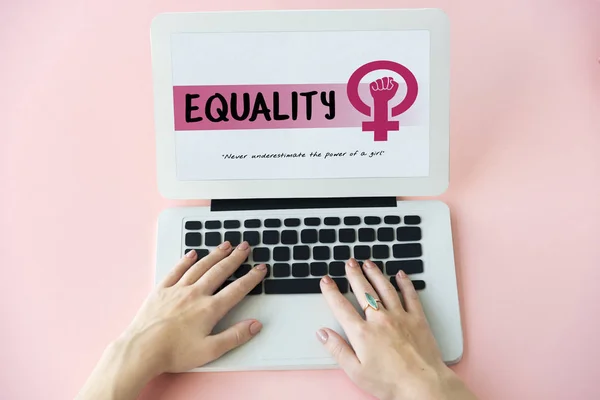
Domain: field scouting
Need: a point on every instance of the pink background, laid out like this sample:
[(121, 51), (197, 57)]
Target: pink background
[(78, 196)]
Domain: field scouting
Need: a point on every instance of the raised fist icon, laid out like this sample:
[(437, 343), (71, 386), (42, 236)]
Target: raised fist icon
[(384, 89)]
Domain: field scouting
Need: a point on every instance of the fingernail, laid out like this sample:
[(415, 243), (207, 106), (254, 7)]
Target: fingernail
[(191, 254), (261, 267), (255, 327), (401, 274), (369, 264), (326, 279), (322, 335), (225, 245), (352, 263), (243, 246)]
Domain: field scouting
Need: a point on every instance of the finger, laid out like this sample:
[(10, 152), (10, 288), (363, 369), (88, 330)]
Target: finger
[(411, 298), (216, 275), (386, 81), (177, 272), (386, 291), (342, 309), (360, 284), (339, 349), (236, 291), (203, 265), (233, 337)]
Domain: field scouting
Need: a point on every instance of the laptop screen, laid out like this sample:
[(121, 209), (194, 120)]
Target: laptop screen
[(301, 105)]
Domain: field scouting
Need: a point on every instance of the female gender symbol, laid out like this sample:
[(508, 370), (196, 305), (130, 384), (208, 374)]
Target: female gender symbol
[(382, 90)]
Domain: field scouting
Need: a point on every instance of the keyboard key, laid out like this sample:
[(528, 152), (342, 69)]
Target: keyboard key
[(292, 222), (289, 237), (258, 289), (362, 252), (321, 253), (327, 236), (412, 250), (213, 224), (392, 220), (313, 221), (193, 239), (408, 233), (341, 253), (234, 238), (337, 268), (352, 221), (300, 270), (268, 273), (242, 270), (379, 264), (308, 236), (297, 286), (318, 269), (412, 220), (372, 220), (252, 223), (408, 266), (193, 225), (332, 221), (271, 237), (347, 235), (281, 270), (261, 254), (301, 252), (419, 285), (281, 253), (201, 253), (213, 239), (381, 251), (272, 223), (231, 224), (252, 237), (385, 234), (366, 235)]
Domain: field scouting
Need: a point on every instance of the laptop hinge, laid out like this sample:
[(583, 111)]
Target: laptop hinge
[(301, 203)]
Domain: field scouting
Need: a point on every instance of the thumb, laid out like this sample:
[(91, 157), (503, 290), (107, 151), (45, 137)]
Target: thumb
[(234, 336), (339, 349)]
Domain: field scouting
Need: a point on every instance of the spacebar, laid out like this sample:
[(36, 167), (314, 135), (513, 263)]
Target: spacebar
[(297, 286)]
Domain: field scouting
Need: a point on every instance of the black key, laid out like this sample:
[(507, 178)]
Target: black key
[(341, 253), (327, 235), (412, 250), (281, 270), (272, 223), (318, 269), (321, 253), (258, 289), (252, 223), (271, 237), (412, 220), (300, 270), (234, 238), (252, 237), (408, 266), (352, 221), (193, 225), (231, 224), (201, 253), (292, 222), (289, 237), (379, 264), (347, 235), (408, 233), (313, 221), (385, 234), (419, 285), (268, 274), (392, 220), (332, 221), (213, 224), (308, 236), (297, 286), (366, 235), (261, 254), (242, 270), (372, 220), (193, 239), (337, 268), (362, 252), (301, 252), (213, 239), (381, 251), (281, 253)]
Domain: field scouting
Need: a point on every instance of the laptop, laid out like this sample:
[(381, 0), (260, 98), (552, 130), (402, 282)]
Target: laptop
[(303, 128)]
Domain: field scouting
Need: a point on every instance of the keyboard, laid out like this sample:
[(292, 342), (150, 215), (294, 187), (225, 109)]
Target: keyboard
[(298, 251)]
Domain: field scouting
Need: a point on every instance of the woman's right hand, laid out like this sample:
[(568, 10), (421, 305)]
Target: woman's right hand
[(394, 354)]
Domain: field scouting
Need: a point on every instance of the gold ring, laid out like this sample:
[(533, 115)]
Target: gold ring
[(371, 302)]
